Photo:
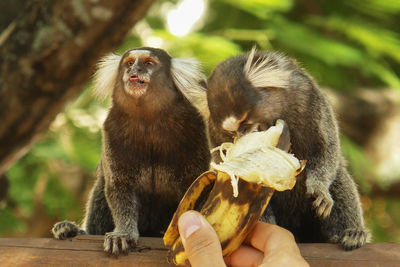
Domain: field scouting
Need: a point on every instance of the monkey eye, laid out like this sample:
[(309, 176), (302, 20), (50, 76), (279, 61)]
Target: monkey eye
[(149, 63)]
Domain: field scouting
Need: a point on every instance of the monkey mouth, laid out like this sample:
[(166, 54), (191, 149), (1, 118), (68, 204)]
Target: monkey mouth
[(135, 85), (136, 79)]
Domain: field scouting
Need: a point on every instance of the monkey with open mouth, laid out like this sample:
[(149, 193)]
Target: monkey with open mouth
[(154, 145)]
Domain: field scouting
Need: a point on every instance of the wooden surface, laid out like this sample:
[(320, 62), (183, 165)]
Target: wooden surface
[(87, 251)]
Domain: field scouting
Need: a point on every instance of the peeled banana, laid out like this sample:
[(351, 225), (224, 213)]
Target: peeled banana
[(235, 204)]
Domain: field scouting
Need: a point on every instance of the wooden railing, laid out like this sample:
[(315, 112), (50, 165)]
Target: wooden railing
[(88, 251)]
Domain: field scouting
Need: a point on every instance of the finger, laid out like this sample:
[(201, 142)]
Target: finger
[(269, 238), (200, 241), (278, 244), (317, 202), (115, 250), (244, 256), (124, 246), (282, 258)]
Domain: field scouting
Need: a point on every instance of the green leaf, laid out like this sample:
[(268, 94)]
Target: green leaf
[(376, 8), (308, 41), (377, 40), (261, 37), (208, 49), (262, 8)]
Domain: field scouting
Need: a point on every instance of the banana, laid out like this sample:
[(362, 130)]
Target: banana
[(233, 214)]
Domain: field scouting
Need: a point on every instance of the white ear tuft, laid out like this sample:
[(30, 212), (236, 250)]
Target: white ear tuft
[(265, 71), (247, 66), (106, 75), (188, 76)]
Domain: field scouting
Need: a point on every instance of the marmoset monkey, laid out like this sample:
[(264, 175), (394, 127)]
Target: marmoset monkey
[(154, 146), (250, 92)]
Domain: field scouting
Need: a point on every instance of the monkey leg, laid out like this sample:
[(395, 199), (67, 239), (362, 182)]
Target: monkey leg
[(345, 224), (124, 205), (98, 219)]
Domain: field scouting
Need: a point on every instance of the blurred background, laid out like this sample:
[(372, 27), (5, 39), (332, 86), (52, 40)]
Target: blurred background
[(350, 47)]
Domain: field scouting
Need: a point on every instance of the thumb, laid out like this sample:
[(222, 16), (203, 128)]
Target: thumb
[(200, 241)]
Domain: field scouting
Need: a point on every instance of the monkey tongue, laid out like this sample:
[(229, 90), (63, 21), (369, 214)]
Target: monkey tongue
[(134, 79)]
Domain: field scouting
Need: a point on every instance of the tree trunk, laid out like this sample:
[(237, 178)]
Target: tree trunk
[(9, 11), (47, 55)]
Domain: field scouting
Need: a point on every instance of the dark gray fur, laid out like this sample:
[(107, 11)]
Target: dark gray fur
[(153, 148), (324, 206)]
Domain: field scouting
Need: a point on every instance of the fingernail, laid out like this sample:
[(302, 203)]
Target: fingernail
[(189, 223)]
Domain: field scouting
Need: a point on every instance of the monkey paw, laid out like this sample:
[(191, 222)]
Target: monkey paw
[(65, 229), (353, 238), (116, 242), (323, 202)]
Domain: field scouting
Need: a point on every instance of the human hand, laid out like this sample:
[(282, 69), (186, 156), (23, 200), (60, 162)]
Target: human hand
[(266, 245)]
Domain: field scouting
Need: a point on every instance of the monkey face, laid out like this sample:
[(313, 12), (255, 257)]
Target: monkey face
[(137, 67), (147, 80), (247, 93), (232, 101)]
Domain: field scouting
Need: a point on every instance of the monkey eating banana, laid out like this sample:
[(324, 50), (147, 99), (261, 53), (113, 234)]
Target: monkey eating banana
[(253, 167)]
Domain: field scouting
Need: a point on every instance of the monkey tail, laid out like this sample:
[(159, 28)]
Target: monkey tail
[(65, 229)]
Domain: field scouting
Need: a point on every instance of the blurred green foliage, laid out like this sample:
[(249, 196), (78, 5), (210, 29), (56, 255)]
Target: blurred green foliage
[(345, 45)]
